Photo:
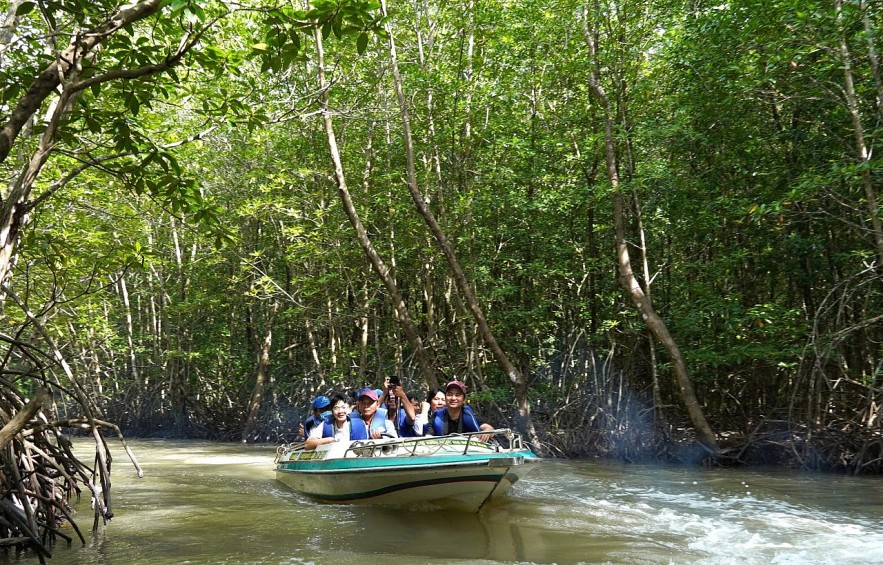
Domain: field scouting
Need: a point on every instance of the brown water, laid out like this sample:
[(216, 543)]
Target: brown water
[(203, 502)]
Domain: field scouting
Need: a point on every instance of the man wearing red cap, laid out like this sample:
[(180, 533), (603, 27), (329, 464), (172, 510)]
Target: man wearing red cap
[(456, 417), (375, 417)]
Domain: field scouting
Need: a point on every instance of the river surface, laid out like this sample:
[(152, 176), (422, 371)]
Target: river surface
[(202, 502)]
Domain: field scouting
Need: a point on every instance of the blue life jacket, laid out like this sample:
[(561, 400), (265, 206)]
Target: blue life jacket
[(314, 421), (357, 428), (468, 422), (310, 423), (379, 421), (404, 428)]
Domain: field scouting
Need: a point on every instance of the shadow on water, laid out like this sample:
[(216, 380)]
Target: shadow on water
[(219, 503)]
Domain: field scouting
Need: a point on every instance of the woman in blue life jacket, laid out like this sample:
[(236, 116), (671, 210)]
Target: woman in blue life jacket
[(435, 400), (456, 417)]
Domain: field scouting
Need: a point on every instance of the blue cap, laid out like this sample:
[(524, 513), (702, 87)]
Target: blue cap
[(378, 392), (321, 402)]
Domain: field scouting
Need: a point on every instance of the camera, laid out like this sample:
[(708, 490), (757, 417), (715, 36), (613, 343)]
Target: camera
[(394, 381)]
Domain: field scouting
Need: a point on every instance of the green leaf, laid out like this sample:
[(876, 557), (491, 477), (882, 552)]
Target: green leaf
[(362, 43), (199, 13), (50, 17), (178, 5), (93, 124), (10, 92), (132, 103), (25, 8)]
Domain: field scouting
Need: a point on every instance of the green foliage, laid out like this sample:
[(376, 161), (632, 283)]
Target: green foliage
[(287, 28), (210, 192)]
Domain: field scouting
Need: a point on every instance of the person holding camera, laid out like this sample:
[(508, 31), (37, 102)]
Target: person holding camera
[(399, 408)]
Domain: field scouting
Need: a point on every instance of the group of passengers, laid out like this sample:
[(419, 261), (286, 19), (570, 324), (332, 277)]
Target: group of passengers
[(390, 412)]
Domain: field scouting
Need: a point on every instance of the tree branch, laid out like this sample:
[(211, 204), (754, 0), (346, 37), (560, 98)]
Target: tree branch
[(147, 70), (21, 419), (50, 78)]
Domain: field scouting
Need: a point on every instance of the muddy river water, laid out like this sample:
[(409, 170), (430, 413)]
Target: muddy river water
[(202, 502)]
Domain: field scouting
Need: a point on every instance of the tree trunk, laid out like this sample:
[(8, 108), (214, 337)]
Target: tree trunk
[(130, 332), (261, 377), (425, 359), (626, 275), (870, 34), (179, 390), (364, 328), (18, 422), (525, 424), (861, 149)]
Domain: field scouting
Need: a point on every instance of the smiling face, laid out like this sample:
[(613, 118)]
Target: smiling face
[(454, 397), (340, 411)]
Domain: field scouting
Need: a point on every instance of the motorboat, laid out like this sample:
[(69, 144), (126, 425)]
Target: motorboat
[(463, 470)]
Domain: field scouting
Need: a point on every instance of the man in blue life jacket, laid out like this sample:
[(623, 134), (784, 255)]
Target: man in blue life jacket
[(340, 426), (321, 410), (375, 418), (456, 417), (399, 409)]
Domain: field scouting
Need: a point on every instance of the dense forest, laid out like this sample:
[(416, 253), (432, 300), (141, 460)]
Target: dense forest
[(647, 230)]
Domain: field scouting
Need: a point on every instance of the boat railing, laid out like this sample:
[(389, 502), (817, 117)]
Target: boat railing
[(288, 447), (502, 440), (430, 445)]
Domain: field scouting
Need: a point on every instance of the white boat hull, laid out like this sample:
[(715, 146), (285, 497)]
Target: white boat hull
[(453, 470)]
